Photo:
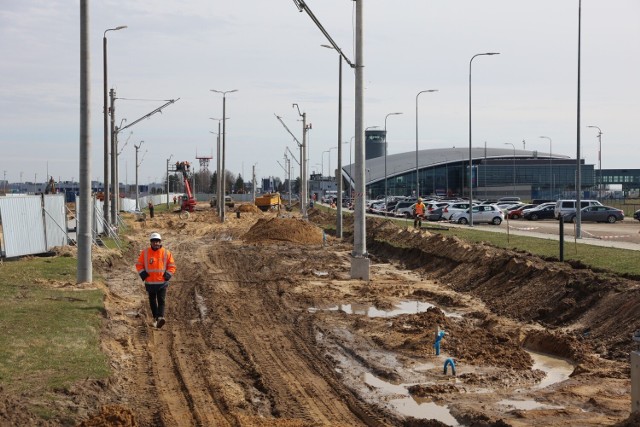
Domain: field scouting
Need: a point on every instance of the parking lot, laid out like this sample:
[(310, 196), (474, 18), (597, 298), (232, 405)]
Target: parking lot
[(623, 233)]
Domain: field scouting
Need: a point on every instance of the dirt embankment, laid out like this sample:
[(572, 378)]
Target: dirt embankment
[(597, 309)]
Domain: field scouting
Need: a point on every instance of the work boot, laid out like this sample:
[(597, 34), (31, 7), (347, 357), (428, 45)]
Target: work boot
[(160, 322), (155, 323)]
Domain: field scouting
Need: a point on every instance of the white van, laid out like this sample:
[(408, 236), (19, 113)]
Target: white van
[(564, 207)]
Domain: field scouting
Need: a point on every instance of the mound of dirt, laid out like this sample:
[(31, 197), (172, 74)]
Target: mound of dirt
[(284, 229), (111, 415), (248, 208)]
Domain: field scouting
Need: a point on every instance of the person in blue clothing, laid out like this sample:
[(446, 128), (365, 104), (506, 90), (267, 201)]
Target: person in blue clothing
[(436, 345)]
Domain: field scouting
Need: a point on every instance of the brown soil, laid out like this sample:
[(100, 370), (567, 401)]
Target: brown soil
[(266, 328)]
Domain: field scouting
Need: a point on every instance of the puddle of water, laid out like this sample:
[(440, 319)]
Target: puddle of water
[(527, 405), (407, 405), (404, 307), (557, 369)]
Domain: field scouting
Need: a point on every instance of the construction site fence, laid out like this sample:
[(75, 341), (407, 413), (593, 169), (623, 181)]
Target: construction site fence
[(32, 224)]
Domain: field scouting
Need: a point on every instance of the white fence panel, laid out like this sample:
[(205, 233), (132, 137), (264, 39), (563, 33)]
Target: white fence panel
[(98, 216), (22, 226), (55, 220), (128, 205)]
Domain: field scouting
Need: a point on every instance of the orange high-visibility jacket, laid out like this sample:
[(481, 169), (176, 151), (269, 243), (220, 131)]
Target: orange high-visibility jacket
[(156, 263), (419, 208)]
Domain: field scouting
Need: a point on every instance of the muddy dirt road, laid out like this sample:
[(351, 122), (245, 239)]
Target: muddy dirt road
[(265, 328)]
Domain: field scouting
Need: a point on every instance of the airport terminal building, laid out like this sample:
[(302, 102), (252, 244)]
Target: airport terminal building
[(494, 172)]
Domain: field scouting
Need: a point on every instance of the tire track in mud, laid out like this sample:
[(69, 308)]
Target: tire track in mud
[(178, 362), (277, 347)]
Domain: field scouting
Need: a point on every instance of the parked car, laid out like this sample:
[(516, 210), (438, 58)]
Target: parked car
[(564, 207), (517, 212), (597, 214), (506, 205), (435, 205), (404, 209), (454, 208), (511, 199), (543, 211), (376, 206), (490, 214), (636, 215)]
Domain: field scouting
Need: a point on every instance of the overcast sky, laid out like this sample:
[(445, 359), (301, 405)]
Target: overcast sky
[(271, 54)]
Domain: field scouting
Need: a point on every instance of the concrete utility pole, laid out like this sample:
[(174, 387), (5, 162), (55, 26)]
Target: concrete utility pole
[(219, 196), (114, 184), (168, 160), (224, 148), (137, 147), (84, 235), (304, 164), (578, 153), (253, 183), (360, 260), (600, 186)]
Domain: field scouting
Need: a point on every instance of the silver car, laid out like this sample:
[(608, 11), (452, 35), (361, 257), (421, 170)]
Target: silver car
[(490, 214)]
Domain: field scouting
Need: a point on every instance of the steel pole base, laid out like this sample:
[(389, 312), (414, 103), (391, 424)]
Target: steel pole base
[(360, 268)]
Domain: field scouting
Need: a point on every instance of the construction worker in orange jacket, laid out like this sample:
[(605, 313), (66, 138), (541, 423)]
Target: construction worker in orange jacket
[(418, 213), (156, 267)]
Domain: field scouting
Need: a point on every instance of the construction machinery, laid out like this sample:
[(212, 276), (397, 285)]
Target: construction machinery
[(188, 201), (51, 187), (268, 201)]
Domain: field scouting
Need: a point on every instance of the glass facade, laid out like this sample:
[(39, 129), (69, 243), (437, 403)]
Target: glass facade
[(542, 178)]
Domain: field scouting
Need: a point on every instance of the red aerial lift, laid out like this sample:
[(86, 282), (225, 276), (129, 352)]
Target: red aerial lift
[(188, 202)]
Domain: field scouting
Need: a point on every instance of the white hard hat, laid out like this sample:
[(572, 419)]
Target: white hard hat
[(155, 236)]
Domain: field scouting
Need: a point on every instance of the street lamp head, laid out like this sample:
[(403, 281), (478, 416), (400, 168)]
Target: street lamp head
[(492, 53), (223, 92), (327, 46), (595, 127), (120, 27)]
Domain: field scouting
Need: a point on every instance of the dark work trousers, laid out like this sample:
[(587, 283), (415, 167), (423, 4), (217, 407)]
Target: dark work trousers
[(157, 294), (151, 211), (417, 222)]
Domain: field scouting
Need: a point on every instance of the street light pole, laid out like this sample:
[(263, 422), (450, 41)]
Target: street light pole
[(470, 157), (514, 166), (105, 113), (224, 152), (550, 167), (417, 167), (385, 159), (599, 160)]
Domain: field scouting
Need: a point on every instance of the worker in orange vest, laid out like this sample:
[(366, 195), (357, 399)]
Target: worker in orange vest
[(418, 213), (156, 267)]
